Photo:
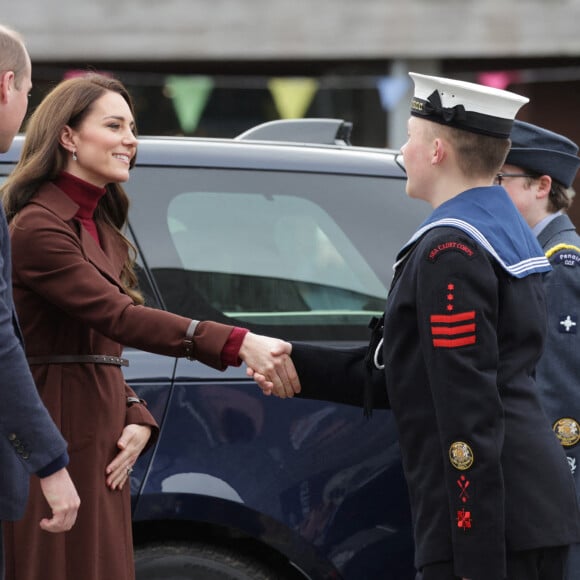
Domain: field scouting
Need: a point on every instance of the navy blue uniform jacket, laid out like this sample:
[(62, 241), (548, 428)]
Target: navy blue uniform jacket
[(464, 328), (29, 439), (558, 372)]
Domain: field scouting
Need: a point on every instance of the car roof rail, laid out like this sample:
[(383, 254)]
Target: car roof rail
[(321, 131)]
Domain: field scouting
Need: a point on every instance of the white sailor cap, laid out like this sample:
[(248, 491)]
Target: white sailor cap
[(467, 106)]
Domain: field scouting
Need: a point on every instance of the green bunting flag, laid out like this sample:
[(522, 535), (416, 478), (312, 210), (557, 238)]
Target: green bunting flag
[(189, 95)]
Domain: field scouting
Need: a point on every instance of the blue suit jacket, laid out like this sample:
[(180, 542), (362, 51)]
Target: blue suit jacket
[(29, 439)]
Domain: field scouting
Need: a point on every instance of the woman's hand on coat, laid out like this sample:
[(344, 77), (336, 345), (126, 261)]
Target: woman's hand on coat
[(63, 499), (268, 360), (132, 441)]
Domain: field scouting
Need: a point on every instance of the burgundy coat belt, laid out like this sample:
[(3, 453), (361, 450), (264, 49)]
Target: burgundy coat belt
[(102, 359)]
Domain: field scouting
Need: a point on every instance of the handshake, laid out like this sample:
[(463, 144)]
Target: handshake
[(269, 364)]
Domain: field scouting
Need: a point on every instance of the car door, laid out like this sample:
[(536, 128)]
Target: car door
[(301, 256)]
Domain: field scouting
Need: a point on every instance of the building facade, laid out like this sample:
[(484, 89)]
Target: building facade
[(217, 67)]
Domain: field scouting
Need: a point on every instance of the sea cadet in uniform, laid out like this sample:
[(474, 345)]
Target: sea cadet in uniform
[(490, 488)]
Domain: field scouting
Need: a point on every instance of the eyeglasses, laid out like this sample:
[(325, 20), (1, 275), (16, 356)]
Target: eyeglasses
[(499, 177)]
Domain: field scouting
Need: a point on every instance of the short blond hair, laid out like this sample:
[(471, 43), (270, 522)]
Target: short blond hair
[(13, 55), (477, 155)]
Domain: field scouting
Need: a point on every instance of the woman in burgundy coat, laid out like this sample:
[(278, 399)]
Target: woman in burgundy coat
[(75, 292)]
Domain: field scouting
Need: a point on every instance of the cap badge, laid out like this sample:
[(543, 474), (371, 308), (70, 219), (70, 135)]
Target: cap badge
[(461, 455), (567, 430)]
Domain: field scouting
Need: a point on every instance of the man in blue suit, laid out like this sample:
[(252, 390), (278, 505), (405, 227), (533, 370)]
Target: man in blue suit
[(538, 173), (30, 442)]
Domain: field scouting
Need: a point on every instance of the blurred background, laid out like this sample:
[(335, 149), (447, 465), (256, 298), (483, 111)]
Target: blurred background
[(215, 68)]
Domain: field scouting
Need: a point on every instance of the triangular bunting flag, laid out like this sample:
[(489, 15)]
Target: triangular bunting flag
[(500, 79), (292, 96), (189, 95), (392, 90)]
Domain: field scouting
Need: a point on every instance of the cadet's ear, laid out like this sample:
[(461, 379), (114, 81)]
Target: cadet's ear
[(438, 153), (544, 185)]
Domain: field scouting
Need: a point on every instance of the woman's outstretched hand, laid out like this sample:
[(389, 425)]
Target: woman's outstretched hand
[(269, 364)]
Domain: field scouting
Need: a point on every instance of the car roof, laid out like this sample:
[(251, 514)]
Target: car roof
[(274, 149)]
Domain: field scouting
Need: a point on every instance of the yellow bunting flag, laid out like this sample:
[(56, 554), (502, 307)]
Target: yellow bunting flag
[(292, 96), (189, 95)]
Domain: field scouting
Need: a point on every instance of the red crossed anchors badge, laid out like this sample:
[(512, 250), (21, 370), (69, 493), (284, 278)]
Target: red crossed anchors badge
[(463, 484), (453, 330)]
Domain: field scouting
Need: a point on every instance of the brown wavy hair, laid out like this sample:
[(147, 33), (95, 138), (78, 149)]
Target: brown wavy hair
[(43, 158)]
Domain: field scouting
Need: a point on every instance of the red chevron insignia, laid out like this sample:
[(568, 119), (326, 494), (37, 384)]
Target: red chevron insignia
[(453, 330)]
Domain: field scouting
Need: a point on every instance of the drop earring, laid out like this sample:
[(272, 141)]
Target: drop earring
[(74, 156)]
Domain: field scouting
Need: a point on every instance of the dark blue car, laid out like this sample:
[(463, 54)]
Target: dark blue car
[(291, 232)]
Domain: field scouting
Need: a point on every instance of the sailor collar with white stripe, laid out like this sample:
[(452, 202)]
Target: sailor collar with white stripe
[(488, 216)]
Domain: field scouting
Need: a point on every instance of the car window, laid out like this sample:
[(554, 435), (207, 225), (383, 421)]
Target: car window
[(271, 237), (306, 256)]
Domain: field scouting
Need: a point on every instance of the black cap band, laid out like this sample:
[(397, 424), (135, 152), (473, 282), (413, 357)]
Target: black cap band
[(459, 118)]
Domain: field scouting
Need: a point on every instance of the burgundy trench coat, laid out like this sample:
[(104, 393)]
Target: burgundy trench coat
[(70, 301)]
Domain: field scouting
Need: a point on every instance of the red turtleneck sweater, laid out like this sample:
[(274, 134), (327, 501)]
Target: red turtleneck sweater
[(87, 196)]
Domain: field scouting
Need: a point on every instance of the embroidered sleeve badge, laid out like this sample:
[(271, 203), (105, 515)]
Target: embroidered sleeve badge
[(453, 246), (463, 484), (567, 430), (463, 520), (565, 254), (568, 323), (453, 330), (461, 455)]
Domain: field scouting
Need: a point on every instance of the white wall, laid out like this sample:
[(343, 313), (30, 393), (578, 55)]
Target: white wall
[(152, 30)]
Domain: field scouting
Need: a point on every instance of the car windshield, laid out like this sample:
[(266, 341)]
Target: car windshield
[(305, 255)]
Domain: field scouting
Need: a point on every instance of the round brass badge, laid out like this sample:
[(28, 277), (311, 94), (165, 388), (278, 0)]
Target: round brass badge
[(460, 455), (567, 430)]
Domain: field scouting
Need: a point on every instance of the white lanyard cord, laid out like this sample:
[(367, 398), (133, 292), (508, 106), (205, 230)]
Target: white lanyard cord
[(376, 356)]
